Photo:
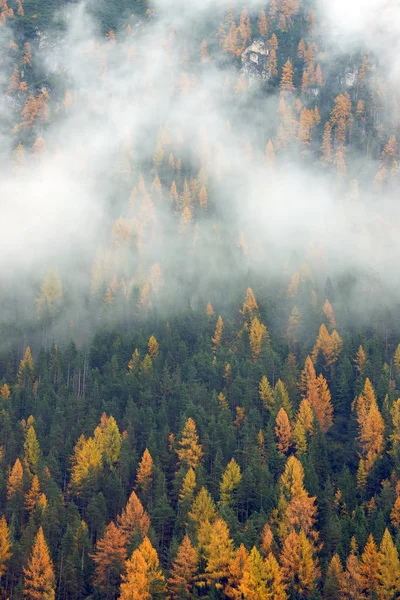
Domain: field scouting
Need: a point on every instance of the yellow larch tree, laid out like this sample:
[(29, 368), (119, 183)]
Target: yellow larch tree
[(286, 83), (369, 567), (275, 582), (258, 336), (315, 390), (25, 370), (203, 515), (190, 452), (360, 360), (283, 432), (210, 310), (329, 344), (237, 568), (219, 552), (183, 570), (296, 509), (86, 462), (5, 545), (109, 558), (254, 581), (134, 521), (143, 579), (231, 479), (188, 487), (351, 583), (145, 473), (388, 568), (39, 578), (370, 431), (15, 480), (250, 306), (31, 449), (299, 567), (32, 495), (216, 340), (152, 347), (266, 539)]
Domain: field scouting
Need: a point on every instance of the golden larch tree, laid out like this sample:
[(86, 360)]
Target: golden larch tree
[(370, 429), (216, 340), (183, 570), (250, 305), (5, 545), (388, 568), (266, 539), (203, 515), (283, 432), (369, 567), (39, 578), (299, 567), (351, 584), (286, 83), (31, 449), (15, 480), (254, 580), (360, 361), (190, 452), (145, 472), (219, 554), (188, 487), (231, 479), (134, 520), (152, 347), (275, 582), (237, 568), (109, 559), (32, 495), (258, 336)]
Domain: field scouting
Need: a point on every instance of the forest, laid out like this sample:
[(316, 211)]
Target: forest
[(199, 300)]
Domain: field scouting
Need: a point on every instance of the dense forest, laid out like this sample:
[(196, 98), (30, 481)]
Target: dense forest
[(200, 341)]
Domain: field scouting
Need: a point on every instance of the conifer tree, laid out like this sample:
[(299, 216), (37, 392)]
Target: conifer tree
[(39, 579), (5, 545), (266, 393), (144, 473), (190, 451), (134, 520), (369, 567), (219, 554), (388, 568), (15, 480), (109, 558), (254, 581), (286, 84), (283, 432), (231, 479), (183, 570)]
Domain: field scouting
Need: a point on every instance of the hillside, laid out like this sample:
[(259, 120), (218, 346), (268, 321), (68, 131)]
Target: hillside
[(200, 342)]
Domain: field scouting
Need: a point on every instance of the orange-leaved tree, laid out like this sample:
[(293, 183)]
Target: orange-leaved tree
[(39, 578)]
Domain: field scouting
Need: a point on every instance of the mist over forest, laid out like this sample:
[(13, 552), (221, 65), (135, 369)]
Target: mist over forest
[(199, 299)]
